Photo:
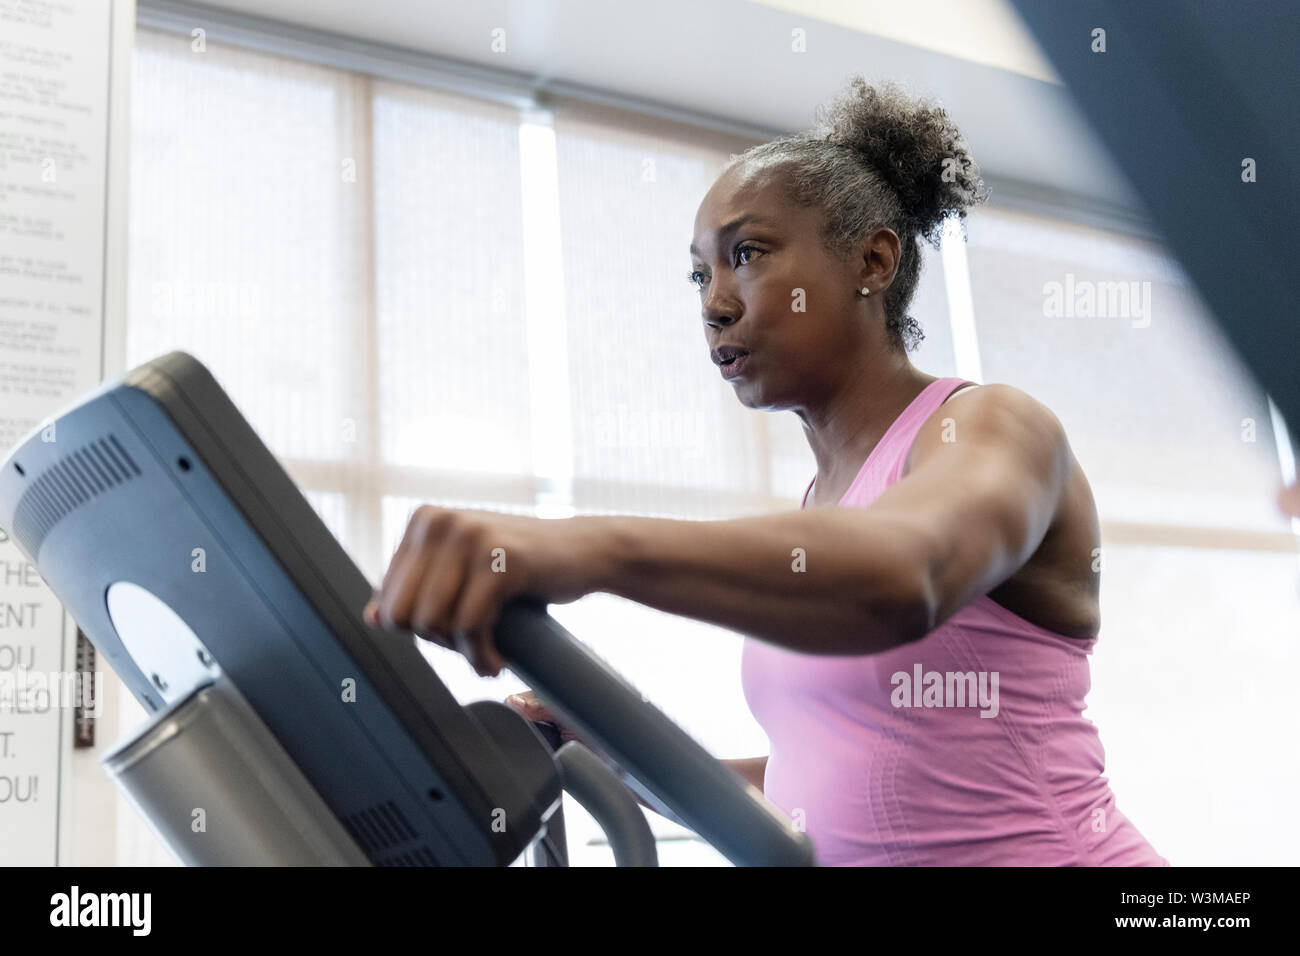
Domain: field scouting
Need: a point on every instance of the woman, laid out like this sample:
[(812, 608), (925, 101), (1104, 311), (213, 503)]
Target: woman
[(918, 632)]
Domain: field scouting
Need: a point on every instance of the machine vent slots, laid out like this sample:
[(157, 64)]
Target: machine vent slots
[(75, 478), (386, 837)]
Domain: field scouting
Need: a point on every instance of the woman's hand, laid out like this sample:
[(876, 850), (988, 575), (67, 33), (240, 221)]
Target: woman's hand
[(455, 569), (529, 706)]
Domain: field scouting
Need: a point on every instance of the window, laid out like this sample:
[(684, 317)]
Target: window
[(1165, 421)]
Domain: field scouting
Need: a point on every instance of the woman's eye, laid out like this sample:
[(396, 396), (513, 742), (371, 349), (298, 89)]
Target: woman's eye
[(741, 250), (695, 278)]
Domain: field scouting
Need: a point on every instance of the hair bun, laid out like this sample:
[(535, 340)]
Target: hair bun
[(912, 144)]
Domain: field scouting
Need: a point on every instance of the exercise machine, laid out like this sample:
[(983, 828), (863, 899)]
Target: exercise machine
[(1198, 105), (286, 731)]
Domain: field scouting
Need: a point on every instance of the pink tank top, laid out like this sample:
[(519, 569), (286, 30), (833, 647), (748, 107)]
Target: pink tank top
[(965, 748)]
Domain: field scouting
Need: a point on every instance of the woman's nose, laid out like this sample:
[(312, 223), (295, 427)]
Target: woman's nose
[(719, 311)]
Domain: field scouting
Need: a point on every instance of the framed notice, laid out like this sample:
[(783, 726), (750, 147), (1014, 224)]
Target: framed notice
[(62, 195)]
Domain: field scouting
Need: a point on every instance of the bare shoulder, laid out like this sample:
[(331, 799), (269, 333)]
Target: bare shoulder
[(995, 416), (1009, 451)]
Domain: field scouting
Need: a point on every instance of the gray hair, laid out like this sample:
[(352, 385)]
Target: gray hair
[(878, 158)]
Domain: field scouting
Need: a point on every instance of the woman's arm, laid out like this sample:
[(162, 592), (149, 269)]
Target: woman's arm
[(751, 768), (984, 486), (826, 581)]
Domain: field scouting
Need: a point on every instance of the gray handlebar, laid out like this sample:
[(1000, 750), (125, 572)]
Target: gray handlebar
[(602, 794), (673, 768)]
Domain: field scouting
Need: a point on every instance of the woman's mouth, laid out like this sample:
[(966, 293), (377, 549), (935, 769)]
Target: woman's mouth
[(730, 359), (732, 367)]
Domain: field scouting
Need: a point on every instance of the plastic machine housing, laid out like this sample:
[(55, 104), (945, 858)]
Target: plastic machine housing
[(154, 489)]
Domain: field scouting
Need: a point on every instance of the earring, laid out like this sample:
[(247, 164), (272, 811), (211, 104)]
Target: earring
[(866, 291)]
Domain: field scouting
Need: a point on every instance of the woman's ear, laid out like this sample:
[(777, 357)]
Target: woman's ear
[(881, 250)]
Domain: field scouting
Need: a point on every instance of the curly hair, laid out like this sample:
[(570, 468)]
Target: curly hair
[(878, 158)]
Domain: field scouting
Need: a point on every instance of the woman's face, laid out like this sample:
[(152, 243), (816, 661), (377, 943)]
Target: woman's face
[(768, 286)]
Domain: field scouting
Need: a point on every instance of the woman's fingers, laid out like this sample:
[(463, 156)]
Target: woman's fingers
[(436, 593), (476, 612), (440, 586), (531, 708), (528, 705)]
